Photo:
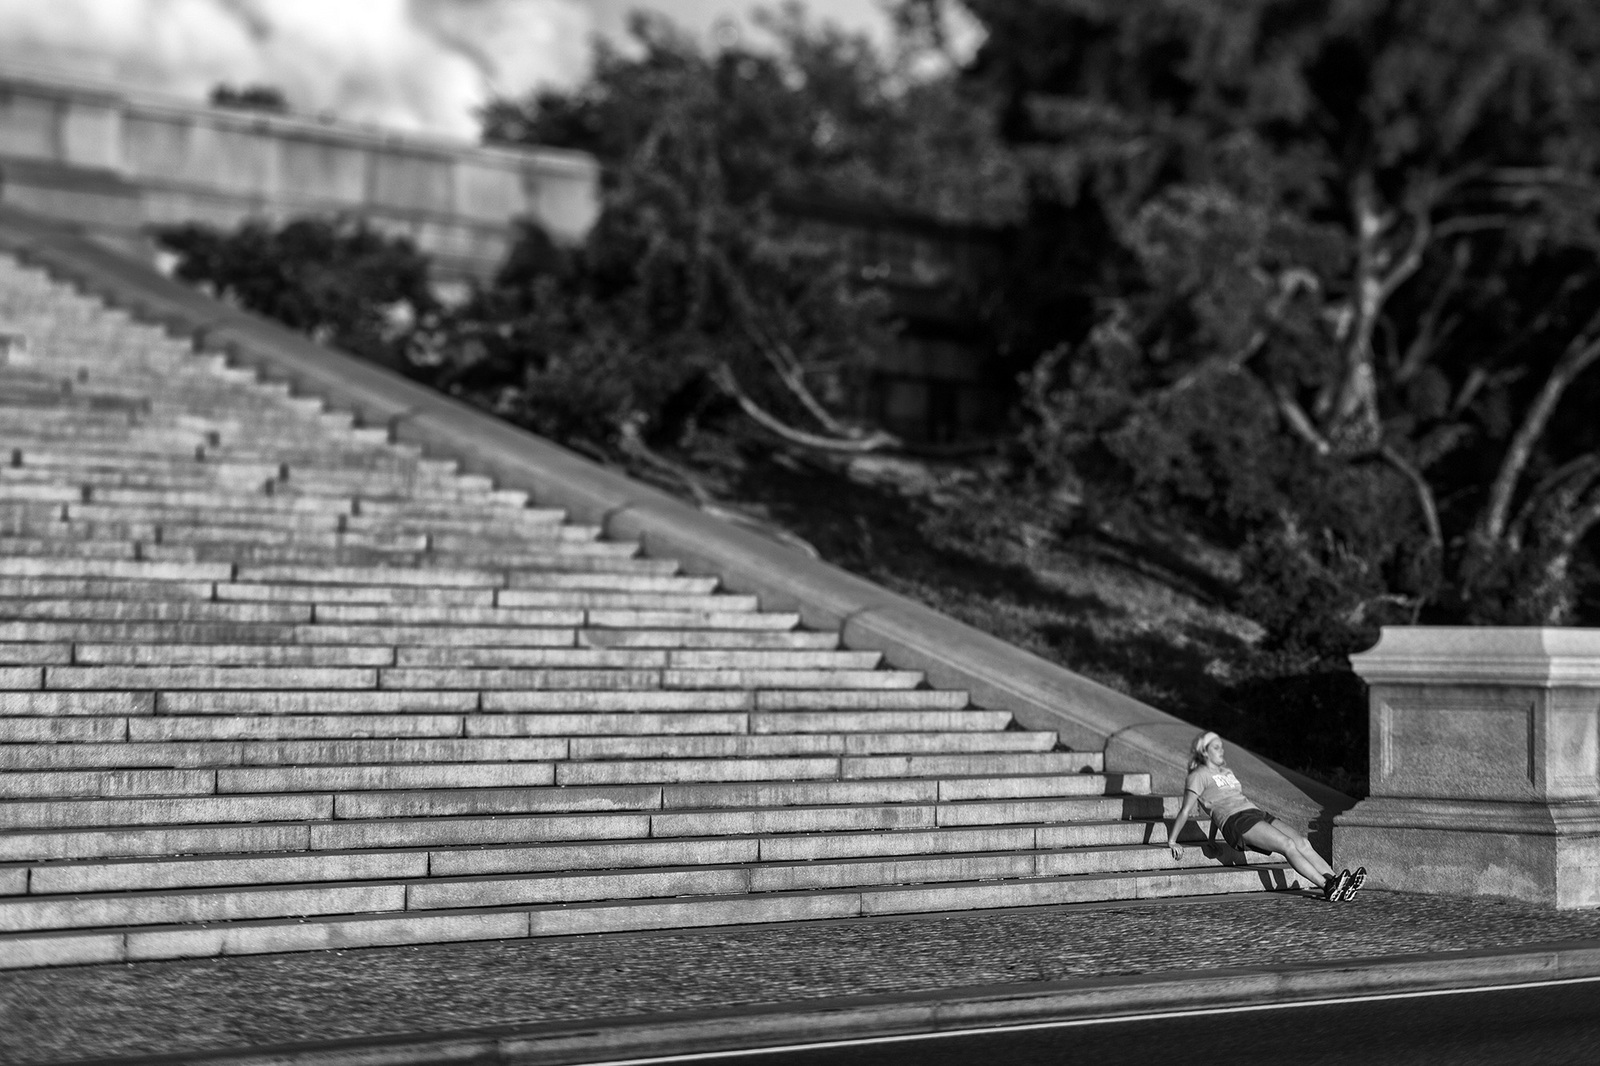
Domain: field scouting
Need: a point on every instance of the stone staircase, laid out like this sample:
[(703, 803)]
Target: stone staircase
[(269, 682)]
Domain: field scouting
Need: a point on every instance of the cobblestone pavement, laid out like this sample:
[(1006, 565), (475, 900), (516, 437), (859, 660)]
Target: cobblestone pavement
[(88, 1012)]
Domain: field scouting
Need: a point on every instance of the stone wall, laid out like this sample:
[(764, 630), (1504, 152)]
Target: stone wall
[(119, 164)]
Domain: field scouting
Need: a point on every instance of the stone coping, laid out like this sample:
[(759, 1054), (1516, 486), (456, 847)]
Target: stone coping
[(1541, 656), (912, 636)]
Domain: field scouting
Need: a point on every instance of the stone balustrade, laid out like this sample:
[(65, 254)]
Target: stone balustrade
[(1485, 764), (117, 163)]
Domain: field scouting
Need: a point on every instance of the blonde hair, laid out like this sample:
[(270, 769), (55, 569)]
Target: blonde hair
[(1197, 750)]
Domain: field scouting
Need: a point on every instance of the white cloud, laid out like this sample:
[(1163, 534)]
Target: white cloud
[(407, 64), (415, 65)]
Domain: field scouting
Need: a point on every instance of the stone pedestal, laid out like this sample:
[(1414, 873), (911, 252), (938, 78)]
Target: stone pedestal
[(1485, 764)]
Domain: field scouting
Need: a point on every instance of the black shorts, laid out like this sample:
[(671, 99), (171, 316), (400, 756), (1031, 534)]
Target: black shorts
[(1237, 825)]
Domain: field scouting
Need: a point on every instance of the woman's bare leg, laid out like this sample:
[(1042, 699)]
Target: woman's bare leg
[(1292, 846)]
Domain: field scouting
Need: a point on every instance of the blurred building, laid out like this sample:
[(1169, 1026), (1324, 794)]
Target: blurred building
[(119, 164), (938, 383)]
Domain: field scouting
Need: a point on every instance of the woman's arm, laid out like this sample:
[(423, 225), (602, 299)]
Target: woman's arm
[(1191, 796)]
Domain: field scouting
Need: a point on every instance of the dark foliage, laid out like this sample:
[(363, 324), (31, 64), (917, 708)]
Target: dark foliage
[(250, 98), (336, 280)]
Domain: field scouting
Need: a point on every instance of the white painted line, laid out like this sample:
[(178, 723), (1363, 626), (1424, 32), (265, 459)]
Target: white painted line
[(868, 1041)]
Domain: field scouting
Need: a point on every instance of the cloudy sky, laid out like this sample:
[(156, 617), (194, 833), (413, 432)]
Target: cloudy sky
[(417, 65)]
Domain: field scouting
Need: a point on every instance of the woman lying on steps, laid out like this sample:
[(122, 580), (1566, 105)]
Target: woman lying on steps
[(1213, 787)]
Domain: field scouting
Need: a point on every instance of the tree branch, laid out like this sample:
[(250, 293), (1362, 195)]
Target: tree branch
[(790, 371), (1580, 354), (1585, 468), (1429, 332), (632, 444), (1424, 493), (723, 376), (1299, 422), (782, 359), (1354, 405)]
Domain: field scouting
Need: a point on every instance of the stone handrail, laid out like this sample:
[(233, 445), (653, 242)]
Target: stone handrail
[(1041, 695)]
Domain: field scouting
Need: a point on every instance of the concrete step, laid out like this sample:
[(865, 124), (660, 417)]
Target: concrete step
[(232, 753), (404, 678), (209, 517), (160, 632), (511, 636), (366, 923), (181, 474), (248, 701), (902, 721), (430, 577), (351, 457), (836, 699), (287, 727), (219, 654), (72, 462), (395, 595), (432, 813), (715, 603), (612, 582), (779, 640), (498, 527), (499, 506), (276, 554), (448, 615), (36, 589), (402, 480), (214, 500), (365, 550), (14, 654), (77, 548), (21, 523), (476, 876), (633, 657), (160, 678), (239, 539), (171, 610), (716, 746), (228, 854), (38, 730)]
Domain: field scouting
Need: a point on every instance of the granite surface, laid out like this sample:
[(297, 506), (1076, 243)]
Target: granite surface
[(96, 1012)]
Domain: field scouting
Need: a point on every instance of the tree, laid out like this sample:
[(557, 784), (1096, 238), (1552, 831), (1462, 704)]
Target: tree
[(702, 290), (1350, 328)]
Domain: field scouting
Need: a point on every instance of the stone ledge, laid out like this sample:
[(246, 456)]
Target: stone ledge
[(1483, 655), (1040, 694), (1474, 816)]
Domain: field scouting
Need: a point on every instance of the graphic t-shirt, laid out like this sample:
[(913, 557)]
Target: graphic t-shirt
[(1221, 796)]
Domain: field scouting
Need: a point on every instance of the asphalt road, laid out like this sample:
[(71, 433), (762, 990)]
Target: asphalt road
[(1554, 1024)]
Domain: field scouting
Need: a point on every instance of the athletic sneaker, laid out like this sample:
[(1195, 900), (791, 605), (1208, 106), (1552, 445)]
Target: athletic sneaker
[(1357, 879), (1333, 890)]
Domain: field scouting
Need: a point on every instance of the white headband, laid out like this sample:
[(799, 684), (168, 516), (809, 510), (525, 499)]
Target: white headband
[(1204, 742)]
